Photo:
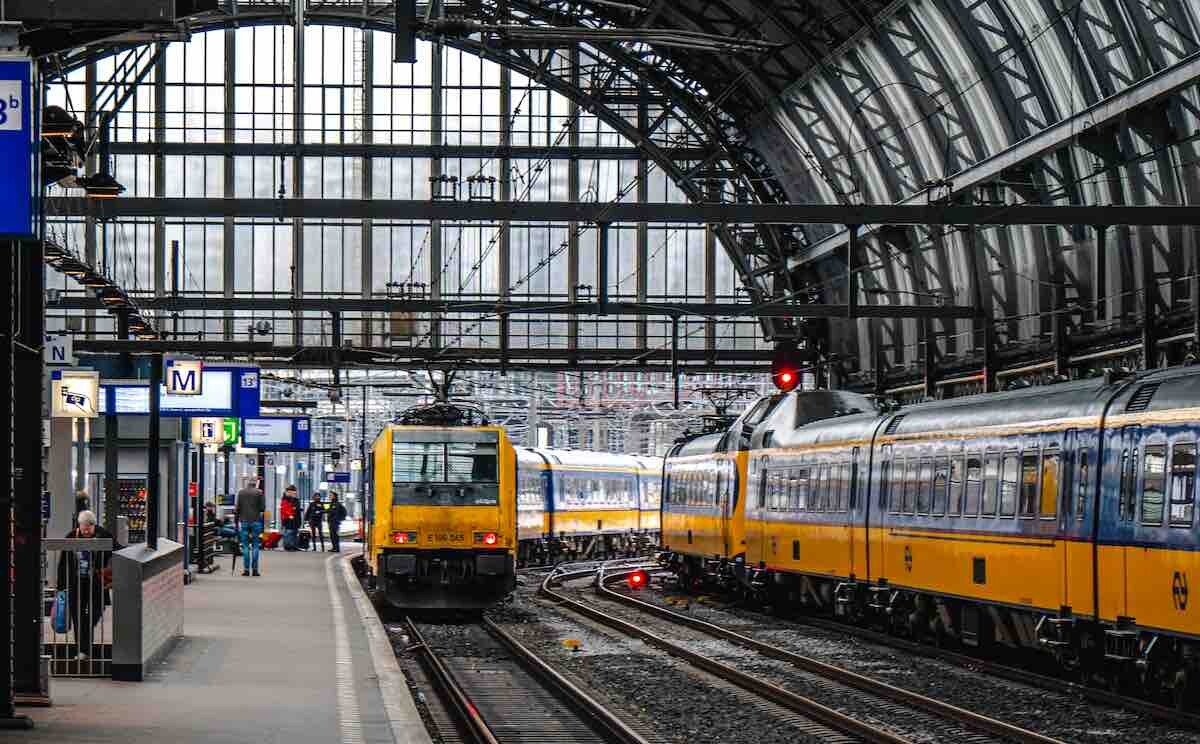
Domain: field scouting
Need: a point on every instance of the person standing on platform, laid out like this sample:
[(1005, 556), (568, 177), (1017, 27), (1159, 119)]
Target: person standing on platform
[(249, 514), (337, 515), (315, 516), (289, 518), (86, 575)]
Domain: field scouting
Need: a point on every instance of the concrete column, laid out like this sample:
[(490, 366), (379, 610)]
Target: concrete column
[(58, 477)]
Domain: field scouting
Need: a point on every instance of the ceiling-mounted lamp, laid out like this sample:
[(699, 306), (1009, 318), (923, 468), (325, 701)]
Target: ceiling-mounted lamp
[(58, 122), (93, 281), (113, 297), (100, 186)]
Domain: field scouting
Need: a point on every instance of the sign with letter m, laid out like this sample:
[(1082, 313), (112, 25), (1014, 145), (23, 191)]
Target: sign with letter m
[(183, 376)]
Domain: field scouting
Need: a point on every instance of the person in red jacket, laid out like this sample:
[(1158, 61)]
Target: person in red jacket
[(289, 518)]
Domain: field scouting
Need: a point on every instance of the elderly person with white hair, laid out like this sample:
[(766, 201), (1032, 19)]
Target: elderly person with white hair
[(86, 575)]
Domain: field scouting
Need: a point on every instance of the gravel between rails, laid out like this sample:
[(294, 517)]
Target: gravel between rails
[(900, 719), (1064, 716), (680, 704)]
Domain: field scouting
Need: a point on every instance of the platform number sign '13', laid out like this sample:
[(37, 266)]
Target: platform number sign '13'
[(1179, 591), (11, 105)]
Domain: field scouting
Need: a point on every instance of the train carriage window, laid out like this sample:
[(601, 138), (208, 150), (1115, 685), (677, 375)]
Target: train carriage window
[(846, 476), (955, 486), (1010, 474), (991, 484), (1051, 480), (1081, 486), (779, 491), (973, 493), (1030, 483), (895, 486), (793, 489), (925, 491), (1183, 484), (885, 477), (941, 481), (912, 483), (805, 492), (1128, 483), (1154, 475)]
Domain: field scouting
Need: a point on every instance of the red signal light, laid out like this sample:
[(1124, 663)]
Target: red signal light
[(402, 538), (489, 538), (637, 580), (786, 366)]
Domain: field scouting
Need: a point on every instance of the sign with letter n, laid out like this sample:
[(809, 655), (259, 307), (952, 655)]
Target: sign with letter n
[(183, 376), (18, 151)]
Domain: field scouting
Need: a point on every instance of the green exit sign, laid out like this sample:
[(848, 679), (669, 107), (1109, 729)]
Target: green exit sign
[(232, 430)]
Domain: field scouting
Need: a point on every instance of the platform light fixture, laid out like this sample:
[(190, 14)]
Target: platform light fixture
[(101, 186)]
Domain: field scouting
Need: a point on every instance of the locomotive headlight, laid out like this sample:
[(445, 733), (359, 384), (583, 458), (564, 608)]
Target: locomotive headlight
[(403, 538), (486, 538)]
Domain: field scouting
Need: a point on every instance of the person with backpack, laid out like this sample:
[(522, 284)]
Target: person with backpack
[(315, 516), (289, 518), (337, 515)]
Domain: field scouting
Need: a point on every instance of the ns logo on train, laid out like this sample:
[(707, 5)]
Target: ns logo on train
[(1179, 591)]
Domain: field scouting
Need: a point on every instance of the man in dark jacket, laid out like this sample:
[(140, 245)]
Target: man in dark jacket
[(315, 516), (249, 514), (337, 515), (86, 575)]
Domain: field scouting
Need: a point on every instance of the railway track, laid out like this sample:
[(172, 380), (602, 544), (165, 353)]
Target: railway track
[(494, 690), (876, 702), (1161, 713)]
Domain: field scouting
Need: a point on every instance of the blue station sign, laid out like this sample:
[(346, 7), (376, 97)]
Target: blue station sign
[(230, 392), (277, 433), (18, 148)]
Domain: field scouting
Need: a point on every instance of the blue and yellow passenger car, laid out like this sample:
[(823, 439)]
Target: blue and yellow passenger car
[(1058, 518)]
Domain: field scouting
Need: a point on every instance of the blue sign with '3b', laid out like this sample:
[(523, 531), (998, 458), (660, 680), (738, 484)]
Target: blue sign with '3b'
[(18, 189)]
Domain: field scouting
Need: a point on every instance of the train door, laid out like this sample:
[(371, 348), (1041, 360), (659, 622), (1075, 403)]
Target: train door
[(876, 517), (756, 494), (726, 496), (1066, 514), (848, 506), (1114, 577)]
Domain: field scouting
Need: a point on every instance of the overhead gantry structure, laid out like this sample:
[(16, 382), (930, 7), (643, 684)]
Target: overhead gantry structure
[(875, 156)]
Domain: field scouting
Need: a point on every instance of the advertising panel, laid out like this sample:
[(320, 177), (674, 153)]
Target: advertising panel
[(74, 393)]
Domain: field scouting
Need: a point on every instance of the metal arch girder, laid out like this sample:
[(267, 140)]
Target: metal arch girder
[(1061, 134), (341, 16)]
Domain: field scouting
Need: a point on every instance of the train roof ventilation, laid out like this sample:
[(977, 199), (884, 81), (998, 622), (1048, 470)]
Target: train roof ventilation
[(1141, 399), (893, 425)]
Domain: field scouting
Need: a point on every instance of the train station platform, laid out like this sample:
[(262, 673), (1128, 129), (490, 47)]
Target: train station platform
[(295, 656)]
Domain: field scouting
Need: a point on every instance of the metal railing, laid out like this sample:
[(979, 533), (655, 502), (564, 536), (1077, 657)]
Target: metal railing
[(82, 568)]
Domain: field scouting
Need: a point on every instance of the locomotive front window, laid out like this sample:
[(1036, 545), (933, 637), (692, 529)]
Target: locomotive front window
[(418, 462), (445, 473), (471, 462)]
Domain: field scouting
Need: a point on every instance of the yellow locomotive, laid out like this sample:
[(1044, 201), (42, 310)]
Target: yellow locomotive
[(456, 508), (444, 529)]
